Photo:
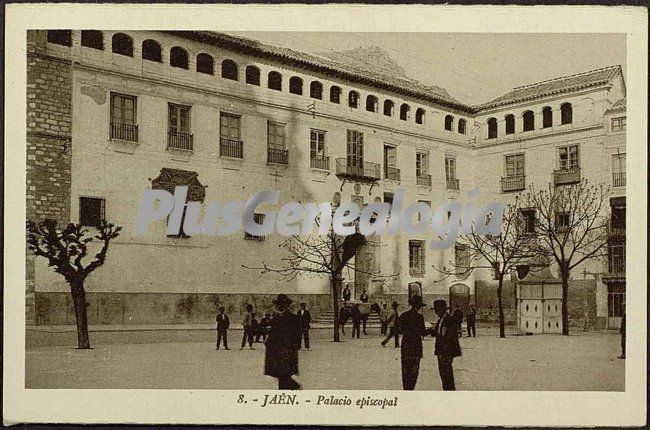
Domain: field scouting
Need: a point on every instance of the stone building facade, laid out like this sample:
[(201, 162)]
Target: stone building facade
[(111, 114)]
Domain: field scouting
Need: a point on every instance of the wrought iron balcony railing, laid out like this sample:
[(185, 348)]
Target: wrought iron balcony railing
[(319, 162), (363, 170), (513, 183), (566, 176), (618, 179), (391, 173), (128, 132), (423, 179), (178, 140), (453, 184), (277, 156), (231, 148), (616, 259)]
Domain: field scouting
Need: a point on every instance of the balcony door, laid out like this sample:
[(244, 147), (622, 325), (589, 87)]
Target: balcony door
[(355, 152)]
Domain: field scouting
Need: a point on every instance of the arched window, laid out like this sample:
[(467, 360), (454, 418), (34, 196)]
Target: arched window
[(462, 126), (178, 58), (229, 70), (566, 113), (404, 112), (388, 107), (252, 75), (529, 120), (60, 37), (275, 81), (151, 51), (449, 123), (122, 44), (295, 85), (510, 124), (419, 116), (353, 99), (205, 64), (492, 128), (316, 90), (335, 94), (547, 117), (92, 39), (371, 103)]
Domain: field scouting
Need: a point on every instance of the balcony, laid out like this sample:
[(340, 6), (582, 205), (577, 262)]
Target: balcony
[(513, 183), (391, 173), (616, 260), (423, 179), (178, 140), (277, 156), (618, 179), (319, 162), (127, 132), (362, 170), (566, 176), (453, 184), (615, 230), (231, 148)]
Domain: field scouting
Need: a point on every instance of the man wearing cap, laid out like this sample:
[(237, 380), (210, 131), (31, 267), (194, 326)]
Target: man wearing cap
[(411, 326), (281, 360), (447, 346)]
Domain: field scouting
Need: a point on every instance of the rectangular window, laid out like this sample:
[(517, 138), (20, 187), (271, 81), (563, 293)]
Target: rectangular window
[(569, 157), (421, 163), (562, 221), (416, 258), (259, 219), (91, 211), (515, 165), (426, 202), (179, 119), (618, 124), (528, 220), (358, 200), (275, 135), (123, 117), (355, 148), (317, 144), (230, 126), (450, 168), (461, 259), (390, 163)]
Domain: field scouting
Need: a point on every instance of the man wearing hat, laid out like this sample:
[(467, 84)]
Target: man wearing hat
[(281, 360), (447, 346), (411, 326), (392, 330)]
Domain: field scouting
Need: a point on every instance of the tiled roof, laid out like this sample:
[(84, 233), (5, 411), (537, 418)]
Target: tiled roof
[(619, 106), (564, 84), (327, 66)]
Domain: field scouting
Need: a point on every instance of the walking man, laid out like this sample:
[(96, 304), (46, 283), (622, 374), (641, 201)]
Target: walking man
[(622, 331), (281, 359), (411, 326), (391, 322), (458, 316), (305, 324), (356, 321), (471, 322), (247, 322), (383, 318), (346, 294), (447, 346), (223, 322)]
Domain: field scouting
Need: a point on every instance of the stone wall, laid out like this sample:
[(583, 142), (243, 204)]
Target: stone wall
[(49, 122), (152, 308)]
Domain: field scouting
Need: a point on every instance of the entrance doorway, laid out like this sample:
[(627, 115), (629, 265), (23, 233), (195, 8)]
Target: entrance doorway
[(459, 296), (615, 304)]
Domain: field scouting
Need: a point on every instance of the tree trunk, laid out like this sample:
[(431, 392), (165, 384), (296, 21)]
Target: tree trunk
[(335, 282), (502, 329), (565, 304), (79, 300)]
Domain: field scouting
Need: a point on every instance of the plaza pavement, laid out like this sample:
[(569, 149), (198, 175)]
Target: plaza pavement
[(186, 359)]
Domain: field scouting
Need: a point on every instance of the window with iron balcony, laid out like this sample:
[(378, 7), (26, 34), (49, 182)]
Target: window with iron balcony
[(178, 133), (450, 173), (230, 144), (515, 179), (276, 151), (569, 171), (123, 117), (317, 157)]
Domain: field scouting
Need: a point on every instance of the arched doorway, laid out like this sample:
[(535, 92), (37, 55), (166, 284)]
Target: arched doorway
[(459, 296)]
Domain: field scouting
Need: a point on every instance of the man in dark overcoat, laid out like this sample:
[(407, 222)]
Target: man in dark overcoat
[(347, 294), (411, 326), (447, 347), (622, 331), (281, 359), (223, 322), (458, 315), (305, 324)]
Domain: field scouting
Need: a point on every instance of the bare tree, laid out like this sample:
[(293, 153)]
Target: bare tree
[(65, 251), (501, 253), (316, 256), (571, 227)]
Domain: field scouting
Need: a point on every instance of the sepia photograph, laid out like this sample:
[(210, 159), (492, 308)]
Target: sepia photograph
[(337, 212)]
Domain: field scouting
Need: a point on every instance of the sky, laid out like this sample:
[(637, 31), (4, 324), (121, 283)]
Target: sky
[(472, 67)]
